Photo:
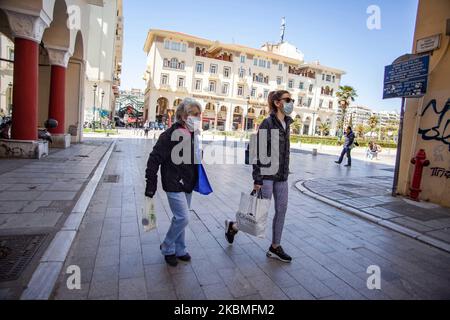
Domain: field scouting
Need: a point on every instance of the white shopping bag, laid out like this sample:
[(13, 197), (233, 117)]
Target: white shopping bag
[(252, 215), (148, 215)]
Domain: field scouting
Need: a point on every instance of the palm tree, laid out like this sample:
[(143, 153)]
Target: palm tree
[(260, 120), (346, 95), (360, 130), (297, 125), (373, 123), (324, 129)]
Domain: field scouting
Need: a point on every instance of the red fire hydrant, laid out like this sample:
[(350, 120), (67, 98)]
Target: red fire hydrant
[(420, 162)]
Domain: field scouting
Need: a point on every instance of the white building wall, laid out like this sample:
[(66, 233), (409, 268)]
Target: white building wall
[(155, 90)]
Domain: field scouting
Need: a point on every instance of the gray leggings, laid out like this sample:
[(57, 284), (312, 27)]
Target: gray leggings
[(280, 192)]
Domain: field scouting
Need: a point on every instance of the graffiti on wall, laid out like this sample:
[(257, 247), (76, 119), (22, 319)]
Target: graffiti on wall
[(440, 172), (439, 130)]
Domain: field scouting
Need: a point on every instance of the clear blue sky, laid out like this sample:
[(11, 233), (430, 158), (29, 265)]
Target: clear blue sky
[(331, 31)]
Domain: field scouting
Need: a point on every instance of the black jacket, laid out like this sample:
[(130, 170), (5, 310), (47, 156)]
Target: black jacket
[(175, 177), (282, 173)]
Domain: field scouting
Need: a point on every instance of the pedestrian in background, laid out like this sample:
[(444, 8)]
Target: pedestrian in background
[(178, 180), (349, 144), (281, 107)]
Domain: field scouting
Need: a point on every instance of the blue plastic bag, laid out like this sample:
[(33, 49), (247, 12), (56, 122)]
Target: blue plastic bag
[(203, 186)]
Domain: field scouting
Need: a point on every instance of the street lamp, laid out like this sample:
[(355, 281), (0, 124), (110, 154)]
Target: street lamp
[(246, 114), (95, 86), (101, 106), (10, 86)]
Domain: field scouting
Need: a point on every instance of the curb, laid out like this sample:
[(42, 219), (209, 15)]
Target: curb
[(46, 274), (382, 222)]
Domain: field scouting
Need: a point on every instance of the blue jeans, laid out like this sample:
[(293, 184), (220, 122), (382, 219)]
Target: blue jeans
[(174, 242), (346, 151)]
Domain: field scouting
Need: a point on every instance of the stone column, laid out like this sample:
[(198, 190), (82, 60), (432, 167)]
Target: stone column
[(59, 59), (27, 31)]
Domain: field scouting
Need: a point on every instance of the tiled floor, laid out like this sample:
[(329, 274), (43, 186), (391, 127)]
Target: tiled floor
[(331, 249)]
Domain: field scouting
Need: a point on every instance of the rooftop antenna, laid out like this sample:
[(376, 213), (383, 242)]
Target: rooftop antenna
[(283, 28)]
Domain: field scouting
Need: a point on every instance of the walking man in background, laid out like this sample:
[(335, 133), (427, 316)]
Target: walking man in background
[(349, 144)]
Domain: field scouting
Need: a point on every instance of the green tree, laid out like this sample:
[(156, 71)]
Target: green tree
[(373, 123), (297, 125), (346, 95), (324, 129), (360, 130), (260, 120)]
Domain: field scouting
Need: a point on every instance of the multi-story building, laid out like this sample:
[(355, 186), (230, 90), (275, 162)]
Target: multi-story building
[(359, 114), (6, 74), (105, 60), (387, 118), (232, 82)]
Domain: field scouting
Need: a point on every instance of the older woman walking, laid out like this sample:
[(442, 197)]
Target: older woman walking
[(179, 175)]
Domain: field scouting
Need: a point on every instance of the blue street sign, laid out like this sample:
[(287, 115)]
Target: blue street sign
[(408, 79)]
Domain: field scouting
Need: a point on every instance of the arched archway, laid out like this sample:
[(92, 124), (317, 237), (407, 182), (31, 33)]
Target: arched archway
[(317, 125), (222, 118), (75, 97), (251, 115), (176, 103), (237, 118), (209, 116), (162, 109), (306, 126), (6, 68)]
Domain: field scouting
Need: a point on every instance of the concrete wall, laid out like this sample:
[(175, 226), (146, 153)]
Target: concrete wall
[(427, 120)]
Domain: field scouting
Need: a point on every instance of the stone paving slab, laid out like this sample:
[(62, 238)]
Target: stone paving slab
[(430, 220), (332, 249), (36, 196)]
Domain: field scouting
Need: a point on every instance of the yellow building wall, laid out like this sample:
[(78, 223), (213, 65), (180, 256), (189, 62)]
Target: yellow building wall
[(427, 120)]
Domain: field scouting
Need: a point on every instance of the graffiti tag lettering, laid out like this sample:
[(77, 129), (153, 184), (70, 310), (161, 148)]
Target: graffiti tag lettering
[(440, 172), (441, 130)]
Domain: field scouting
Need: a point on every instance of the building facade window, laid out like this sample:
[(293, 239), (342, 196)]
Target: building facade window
[(301, 86), (266, 93), (311, 87), (175, 46), (279, 80), (240, 90), (328, 78), (174, 64), (199, 67), (164, 79), (330, 105), (198, 85), (225, 88), (181, 82), (262, 63), (253, 92), (212, 86), (226, 72), (280, 67), (320, 103), (268, 64), (309, 102), (213, 69), (300, 101), (255, 62), (241, 73), (291, 84), (243, 58)]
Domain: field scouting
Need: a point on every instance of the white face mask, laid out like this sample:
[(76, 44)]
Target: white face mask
[(193, 123), (288, 108)]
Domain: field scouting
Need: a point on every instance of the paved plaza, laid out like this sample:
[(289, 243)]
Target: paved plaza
[(331, 248)]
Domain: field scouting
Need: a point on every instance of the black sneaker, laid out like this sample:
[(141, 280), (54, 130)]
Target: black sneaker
[(348, 165), (279, 254), (171, 260), (337, 162), (185, 258), (230, 232)]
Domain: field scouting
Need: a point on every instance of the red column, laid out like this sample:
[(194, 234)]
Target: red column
[(57, 105), (25, 91)]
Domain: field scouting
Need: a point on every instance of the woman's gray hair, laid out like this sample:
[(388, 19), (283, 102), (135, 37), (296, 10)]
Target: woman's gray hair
[(185, 107)]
